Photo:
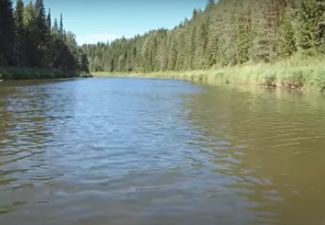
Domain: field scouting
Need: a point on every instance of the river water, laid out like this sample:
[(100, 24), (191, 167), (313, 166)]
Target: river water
[(155, 152)]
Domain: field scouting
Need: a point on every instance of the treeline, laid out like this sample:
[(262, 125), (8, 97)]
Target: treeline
[(226, 33), (28, 39)]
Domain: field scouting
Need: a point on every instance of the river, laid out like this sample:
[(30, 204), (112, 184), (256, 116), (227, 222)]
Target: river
[(154, 152)]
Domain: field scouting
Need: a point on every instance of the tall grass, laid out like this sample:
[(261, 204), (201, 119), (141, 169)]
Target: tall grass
[(18, 73), (298, 72)]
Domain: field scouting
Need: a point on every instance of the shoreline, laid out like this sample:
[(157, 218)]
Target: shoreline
[(23, 73), (308, 75)]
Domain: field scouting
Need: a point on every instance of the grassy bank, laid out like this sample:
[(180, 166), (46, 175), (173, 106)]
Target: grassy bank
[(15, 73), (298, 72)]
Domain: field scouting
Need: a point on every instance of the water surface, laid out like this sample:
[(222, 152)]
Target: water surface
[(140, 151)]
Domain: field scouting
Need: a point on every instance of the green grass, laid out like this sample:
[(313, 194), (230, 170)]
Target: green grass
[(298, 72), (15, 73)]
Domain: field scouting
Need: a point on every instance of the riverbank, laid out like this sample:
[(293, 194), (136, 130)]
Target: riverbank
[(298, 72), (15, 73)]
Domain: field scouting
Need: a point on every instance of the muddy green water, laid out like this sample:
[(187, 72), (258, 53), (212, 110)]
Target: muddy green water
[(157, 152)]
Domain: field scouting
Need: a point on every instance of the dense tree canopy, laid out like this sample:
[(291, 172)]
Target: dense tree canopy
[(27, 39), (226, 33), (7, 28)]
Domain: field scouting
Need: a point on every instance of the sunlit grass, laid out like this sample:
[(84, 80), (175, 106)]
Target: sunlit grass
[(298, 72)]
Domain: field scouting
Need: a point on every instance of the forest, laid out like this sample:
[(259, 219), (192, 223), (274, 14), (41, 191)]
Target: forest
[(30, 41), (226, 33)]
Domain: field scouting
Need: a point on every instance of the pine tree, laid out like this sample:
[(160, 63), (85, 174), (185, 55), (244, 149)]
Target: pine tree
[(227, 33), (181, 51), (172, 53), (162, 51), (194, 14), (213, 51), (287, 43), (41, 20), (227, 39), (242, 39), (55, 25), (20, 33), (210, 4), (26, 39), (146, 54), (61, 26), (49, 20), (202, 43), (262, 45), (7, 36), (310, 16), (84, 64), (42, 32), (192, 49), (31, 36)]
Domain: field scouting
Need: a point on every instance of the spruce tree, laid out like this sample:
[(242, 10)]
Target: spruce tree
[(61, 29), (192, 49), (213, 50), (262, 44), (42, 33), (84, 64), (41, 20), (210, 4), (310, 15), (49, 19), (287, 44), (228, 32), (31, 36), (172, 53), (20, 33), (26, 39), (7, 35), (202, 43), (56, 26), (243, 42)]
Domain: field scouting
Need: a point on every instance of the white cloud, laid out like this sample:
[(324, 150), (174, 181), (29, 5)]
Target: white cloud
[(94, 38)]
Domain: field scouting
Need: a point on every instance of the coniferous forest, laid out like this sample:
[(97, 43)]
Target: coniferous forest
[(225, 33), (30, 39)]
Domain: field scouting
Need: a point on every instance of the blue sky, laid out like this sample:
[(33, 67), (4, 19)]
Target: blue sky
[(99, 20)]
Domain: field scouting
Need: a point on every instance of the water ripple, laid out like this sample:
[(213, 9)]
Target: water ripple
[(125, 151)]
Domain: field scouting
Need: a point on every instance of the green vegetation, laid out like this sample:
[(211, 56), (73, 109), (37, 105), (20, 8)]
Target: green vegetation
[(270, 42), (289, 73), (28, 40), (16, 73)]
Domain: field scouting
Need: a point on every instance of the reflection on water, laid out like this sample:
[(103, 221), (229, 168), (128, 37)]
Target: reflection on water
[(133, 151), (271, 146)]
